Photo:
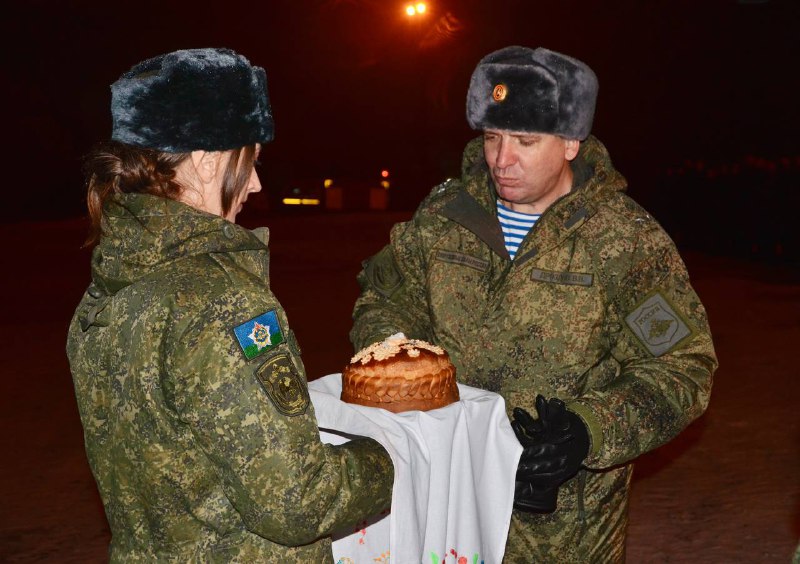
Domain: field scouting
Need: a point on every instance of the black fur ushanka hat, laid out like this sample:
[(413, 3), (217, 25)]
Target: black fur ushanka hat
[(194, 99), (532, 90)]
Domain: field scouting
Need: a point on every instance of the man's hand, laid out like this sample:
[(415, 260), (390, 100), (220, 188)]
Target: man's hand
[(554, 446)]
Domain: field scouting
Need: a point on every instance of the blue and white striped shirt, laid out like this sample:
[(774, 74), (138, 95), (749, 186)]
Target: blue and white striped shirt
[(515, 226)]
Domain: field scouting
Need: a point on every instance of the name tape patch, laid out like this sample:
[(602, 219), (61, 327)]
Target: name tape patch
[(465, 260), (656, 324), (568, 278), (259, 334)]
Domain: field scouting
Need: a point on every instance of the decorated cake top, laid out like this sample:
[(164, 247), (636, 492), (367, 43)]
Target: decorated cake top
[(392, 346)]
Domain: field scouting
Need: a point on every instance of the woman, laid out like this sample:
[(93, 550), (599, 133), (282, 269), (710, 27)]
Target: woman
[(193, 397)]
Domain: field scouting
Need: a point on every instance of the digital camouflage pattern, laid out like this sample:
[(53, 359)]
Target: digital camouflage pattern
[(597, 310), (200, 454)]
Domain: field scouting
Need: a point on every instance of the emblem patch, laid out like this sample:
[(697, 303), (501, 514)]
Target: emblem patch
[(499, 92), (382, 272), (283, 385), (259, 335), (657, 325)]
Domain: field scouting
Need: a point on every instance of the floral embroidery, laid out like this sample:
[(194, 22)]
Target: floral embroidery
[(382, 559), (457, 559), (362, 529)]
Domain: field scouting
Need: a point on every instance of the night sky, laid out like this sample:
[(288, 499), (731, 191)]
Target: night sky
[(357, 86)]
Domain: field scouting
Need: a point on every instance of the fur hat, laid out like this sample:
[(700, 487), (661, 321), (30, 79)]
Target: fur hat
[(532, 90), (194, 99)]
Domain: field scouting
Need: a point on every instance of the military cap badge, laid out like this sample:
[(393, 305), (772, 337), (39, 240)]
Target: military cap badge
[(500, 92)]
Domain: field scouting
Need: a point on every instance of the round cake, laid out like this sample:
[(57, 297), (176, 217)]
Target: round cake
[(400, 374)]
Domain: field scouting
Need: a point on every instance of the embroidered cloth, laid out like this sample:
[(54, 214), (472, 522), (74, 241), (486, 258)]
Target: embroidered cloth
[(454, 477)]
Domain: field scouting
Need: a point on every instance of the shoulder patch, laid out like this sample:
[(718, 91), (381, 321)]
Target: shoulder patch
[(260, 334), (382, 272), (283, 385), (657, 325)]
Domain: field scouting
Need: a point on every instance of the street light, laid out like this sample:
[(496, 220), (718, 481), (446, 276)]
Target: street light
[(416, 9)]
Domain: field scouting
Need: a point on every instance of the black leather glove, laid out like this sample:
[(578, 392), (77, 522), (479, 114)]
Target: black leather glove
[(554, 446)]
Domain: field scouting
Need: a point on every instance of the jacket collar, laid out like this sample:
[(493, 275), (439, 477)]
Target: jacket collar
[(474, 206), (143, 233)]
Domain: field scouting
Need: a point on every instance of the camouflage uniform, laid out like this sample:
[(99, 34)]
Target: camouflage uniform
[(596, 309), (199, 453)]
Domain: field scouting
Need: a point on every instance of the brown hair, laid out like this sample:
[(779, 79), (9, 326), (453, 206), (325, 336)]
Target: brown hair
[(114, 168)]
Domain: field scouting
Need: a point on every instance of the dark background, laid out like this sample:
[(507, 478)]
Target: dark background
[(697, 104)]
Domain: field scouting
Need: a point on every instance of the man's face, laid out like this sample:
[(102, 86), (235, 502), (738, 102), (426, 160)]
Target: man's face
[(530, 170)]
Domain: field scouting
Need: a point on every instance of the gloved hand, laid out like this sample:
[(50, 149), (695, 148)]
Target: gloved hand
[(554, 446)]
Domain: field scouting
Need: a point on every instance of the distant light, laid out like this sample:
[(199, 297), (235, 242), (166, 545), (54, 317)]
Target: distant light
[(421, 7), (328, 182), (301, 201), (411, 10), (385, 173), (385, 184)]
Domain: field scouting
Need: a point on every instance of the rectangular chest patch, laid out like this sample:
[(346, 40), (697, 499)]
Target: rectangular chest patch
[(259, 335), (568, 278), (657, 325), (464, 260)]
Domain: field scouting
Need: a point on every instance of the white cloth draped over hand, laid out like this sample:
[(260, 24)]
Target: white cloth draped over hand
[(454, 477)]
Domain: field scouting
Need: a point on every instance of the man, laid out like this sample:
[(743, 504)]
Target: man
[(542, 279)]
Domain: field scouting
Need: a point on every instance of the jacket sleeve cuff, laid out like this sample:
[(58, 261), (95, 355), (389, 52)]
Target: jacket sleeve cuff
[(592, 424)]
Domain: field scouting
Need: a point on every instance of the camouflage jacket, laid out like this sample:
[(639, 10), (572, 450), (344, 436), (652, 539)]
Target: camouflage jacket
[(194, 401), (596, 309)]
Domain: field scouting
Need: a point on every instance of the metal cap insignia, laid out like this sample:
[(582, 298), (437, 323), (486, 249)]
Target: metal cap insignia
[(500, 92)]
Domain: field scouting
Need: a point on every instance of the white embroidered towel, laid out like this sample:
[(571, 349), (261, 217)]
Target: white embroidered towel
[(454, 477)]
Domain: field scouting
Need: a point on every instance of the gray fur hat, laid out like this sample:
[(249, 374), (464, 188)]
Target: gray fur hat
[(194, 99), (532, 90)]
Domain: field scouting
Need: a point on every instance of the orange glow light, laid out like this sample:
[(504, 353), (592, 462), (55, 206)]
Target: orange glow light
[(421, 7), (410, 10), (301, 201), (385, 173)]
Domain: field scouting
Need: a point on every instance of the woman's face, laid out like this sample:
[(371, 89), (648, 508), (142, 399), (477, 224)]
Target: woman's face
[(253, 185), (204, 176)]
